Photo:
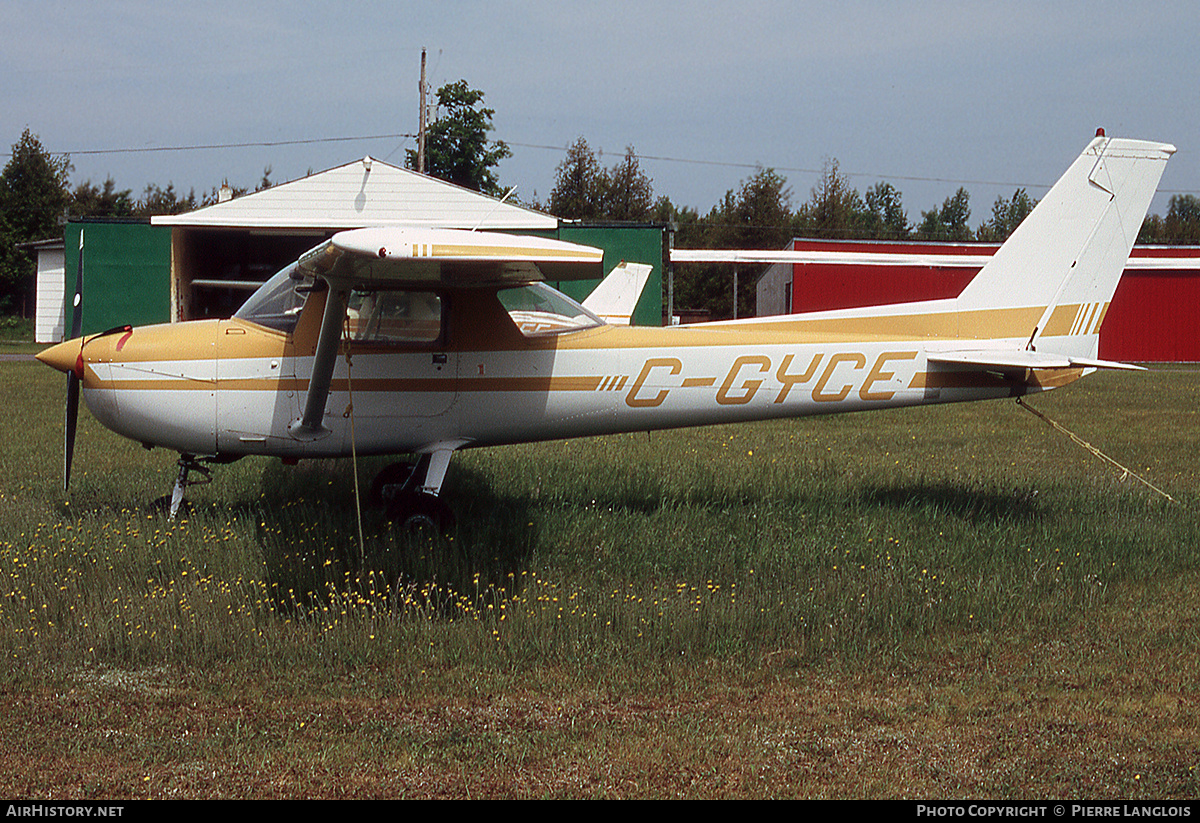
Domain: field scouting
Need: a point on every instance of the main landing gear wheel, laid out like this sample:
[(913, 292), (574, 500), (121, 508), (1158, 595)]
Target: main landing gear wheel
[(395, 474), (417, 512)]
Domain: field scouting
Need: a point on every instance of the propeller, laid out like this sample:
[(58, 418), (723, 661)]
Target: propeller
[(73, 376)]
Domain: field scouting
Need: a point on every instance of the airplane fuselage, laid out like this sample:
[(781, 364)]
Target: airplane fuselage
[(232, 387)]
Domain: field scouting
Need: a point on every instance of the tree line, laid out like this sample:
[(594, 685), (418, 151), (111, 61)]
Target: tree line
[(36, 197)]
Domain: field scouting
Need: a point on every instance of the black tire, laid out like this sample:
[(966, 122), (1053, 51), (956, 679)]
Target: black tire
[(417, 511), (395, 474), (161, 507)]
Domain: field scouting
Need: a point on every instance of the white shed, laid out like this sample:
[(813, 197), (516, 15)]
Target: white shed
[(219, 252), (48, 317)]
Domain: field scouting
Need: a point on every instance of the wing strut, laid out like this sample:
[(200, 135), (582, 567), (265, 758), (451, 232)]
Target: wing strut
[(311, 426)]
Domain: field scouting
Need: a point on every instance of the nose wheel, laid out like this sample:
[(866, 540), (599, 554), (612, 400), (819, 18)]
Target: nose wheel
[(188, 463)]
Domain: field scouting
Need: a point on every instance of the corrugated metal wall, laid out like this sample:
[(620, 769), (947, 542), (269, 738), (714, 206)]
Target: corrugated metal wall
[(1154, 317)]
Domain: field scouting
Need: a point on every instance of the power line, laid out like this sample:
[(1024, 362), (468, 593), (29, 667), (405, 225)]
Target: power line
[(256, 144), (800, 170), (564, 149)]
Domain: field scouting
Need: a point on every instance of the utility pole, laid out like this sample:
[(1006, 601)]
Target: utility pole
[(674, 227), (421, 120), (735, 279)]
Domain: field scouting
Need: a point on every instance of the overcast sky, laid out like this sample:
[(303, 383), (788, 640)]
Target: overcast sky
[(927, 95)]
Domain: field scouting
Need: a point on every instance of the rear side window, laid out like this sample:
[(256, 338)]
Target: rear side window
[(539, 310)]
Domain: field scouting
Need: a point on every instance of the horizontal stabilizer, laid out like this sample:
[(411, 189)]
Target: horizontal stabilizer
[(1091, 363), (986, 360)]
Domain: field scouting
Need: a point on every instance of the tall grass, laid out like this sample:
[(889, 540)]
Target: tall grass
[(855, 536)]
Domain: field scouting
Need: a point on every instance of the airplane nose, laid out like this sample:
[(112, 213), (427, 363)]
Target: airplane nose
[(63, 356)]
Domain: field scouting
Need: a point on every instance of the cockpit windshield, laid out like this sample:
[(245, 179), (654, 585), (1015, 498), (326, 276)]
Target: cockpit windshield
[(278, 302), (539, 310)]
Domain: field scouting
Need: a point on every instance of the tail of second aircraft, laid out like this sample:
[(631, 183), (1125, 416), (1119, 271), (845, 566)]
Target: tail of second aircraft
[(1049, 286), (615, 298)]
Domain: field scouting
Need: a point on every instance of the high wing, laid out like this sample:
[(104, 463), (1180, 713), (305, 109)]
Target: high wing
[(423, 257), (448, 257)]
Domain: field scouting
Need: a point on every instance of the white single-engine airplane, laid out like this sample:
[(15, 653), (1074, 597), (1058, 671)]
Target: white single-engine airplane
[(426, 341)]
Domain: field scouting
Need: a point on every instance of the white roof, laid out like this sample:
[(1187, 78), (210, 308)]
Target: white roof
[(364, 193)]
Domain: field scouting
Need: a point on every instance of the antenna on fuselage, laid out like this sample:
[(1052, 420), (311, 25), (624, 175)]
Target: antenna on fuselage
[(499, 203)]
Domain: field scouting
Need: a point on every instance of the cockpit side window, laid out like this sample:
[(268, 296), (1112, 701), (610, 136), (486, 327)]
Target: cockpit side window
[(389, 316), (394, 316)]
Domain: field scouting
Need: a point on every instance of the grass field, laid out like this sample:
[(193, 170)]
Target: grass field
[(934, 603)]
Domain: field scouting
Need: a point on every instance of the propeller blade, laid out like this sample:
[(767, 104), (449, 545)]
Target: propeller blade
[(73, 377), (72, 418), (77, 301)]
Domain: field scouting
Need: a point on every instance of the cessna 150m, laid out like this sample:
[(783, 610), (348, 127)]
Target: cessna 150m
[(426, 341)]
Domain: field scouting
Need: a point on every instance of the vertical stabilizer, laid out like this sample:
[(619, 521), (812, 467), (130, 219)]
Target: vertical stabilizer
[(1053, 279)]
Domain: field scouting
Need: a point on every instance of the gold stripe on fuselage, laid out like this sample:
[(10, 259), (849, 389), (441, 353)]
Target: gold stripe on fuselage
[(362, 384), (239, 339)]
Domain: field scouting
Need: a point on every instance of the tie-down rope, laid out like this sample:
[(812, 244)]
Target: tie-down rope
[(1079, 440), (349, 412)]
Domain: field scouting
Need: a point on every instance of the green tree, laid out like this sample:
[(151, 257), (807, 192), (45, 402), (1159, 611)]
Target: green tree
[(764, 210), (1006, 216), (89, 200), (949, 223), (456, 144), (1152, 230), (885, 218), (157, 200), (1182, 224), (628, 194), (578, 184), (584, 190), (33, 203), (684, 218), (835, 210)]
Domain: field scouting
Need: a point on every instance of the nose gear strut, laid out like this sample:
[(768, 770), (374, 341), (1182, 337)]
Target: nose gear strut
[(187, 464)]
